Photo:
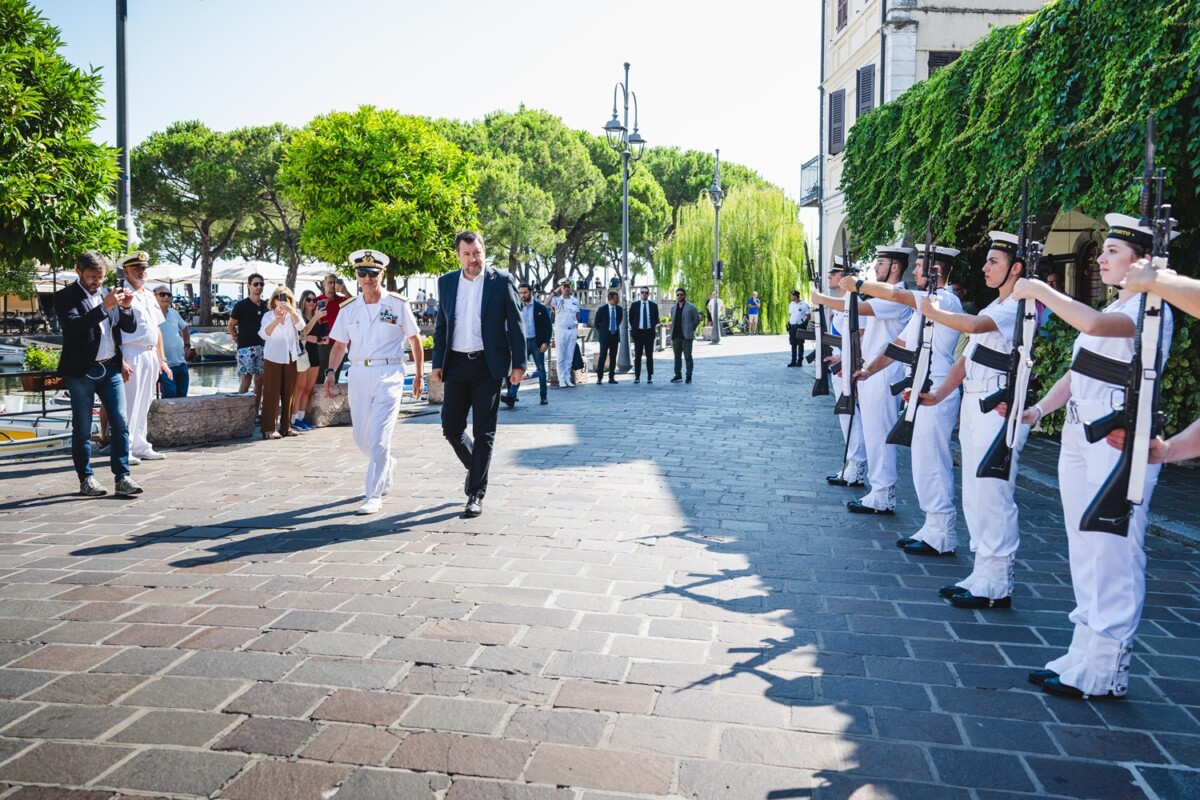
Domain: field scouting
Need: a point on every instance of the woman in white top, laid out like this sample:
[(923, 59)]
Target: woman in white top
[(1108, 572), (281, 347)]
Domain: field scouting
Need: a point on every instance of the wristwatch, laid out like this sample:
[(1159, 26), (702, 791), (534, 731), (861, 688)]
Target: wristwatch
[(858, 285)]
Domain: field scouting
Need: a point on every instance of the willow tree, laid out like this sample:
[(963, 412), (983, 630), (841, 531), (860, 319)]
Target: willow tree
[(762, 245)]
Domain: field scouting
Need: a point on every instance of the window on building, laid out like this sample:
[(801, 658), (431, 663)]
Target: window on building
[(865, 89), (837, 121), (940, 58), (843, 13)]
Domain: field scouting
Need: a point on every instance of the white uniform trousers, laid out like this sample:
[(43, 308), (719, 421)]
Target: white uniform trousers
[(988, 505), (564, 343), (933, 472), (851, 433), (1108, 573), (139, 391), (878, 408), (375, 396)]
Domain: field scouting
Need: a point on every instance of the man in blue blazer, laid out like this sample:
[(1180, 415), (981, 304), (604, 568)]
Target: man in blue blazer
[(537, 341), (608, 331), (478, 338), (92, 322)]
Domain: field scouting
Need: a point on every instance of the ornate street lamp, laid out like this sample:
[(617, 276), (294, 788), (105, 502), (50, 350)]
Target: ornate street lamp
[(630, 145), (716, 195)]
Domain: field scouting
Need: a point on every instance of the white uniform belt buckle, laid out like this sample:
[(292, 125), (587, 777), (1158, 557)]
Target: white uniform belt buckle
[(376, 362), (981, 385), (1085, 411)]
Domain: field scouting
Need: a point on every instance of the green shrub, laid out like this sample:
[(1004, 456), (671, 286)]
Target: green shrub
[(41, 359)]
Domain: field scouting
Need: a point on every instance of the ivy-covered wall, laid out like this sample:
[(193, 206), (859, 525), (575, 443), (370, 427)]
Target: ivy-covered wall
[(1061, 99)]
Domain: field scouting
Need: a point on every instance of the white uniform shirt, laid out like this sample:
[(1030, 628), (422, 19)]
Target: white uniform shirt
[(566, 311), (282, 345), (468, 315), (108, 347), (797, 312), (1005, 316), (945, 340), (375, 330), (148, 316), (888, 321), (1085, 388)]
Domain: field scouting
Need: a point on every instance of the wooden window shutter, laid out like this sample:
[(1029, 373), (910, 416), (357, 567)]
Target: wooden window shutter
[(843, 13), (940, 58), (866, 89), (837, 121)]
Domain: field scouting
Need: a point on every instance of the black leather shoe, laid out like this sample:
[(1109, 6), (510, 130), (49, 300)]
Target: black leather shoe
[(793, 364), (905, 542), (545, 402), (637, 380), (677, 379), (922, 549), (838, 480), (951, 590), (474, 506), (856, 507), (508, 400), (968, 600), (689, 379), (1040, 676), (650, 379), (611, 379), (599, 381), (1056, 687)]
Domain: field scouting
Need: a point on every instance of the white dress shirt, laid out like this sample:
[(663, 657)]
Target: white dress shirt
[(108, 347), (468, 315), (149, 316)]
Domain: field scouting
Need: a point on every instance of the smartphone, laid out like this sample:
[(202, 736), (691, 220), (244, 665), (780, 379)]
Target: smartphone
[(320, 305), (341, 282)]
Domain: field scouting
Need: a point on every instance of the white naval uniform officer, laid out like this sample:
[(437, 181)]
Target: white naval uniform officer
[(1108, 572), (932, 462), (988, 505), (143, 353), (854, 466), (877, 406), (375, 325), (566, 326)]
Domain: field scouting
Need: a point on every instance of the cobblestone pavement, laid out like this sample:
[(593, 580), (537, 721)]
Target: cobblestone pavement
[(662, 599)]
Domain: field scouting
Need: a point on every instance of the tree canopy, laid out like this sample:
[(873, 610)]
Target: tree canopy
[(56, 184), (376, 178), (762, 245)]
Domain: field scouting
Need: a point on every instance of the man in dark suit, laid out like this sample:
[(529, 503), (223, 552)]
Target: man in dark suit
[(478, 338), (537, 341), (608, 330), (685, 318), (91, 324), (643, 317)]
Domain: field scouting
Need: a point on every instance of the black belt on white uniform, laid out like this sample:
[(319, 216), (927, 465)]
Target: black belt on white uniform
[(992, 359), (1102, 368)]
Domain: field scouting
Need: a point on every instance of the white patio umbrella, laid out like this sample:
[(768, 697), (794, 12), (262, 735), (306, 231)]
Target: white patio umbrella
[(238, 271)]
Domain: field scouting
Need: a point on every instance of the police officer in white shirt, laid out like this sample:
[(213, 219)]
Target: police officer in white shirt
[(375, 325), (797, 319), (566, 325), (143, 353)]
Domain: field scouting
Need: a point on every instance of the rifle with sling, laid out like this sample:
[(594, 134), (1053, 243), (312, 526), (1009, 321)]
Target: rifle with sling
[(1018, 363), (1112, 507), (821, 347), (922, 355), (851, 346)]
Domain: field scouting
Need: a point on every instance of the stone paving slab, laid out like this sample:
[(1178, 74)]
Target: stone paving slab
[(632, 617)]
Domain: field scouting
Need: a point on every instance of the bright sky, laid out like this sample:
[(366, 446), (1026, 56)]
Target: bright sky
[(741, 76)]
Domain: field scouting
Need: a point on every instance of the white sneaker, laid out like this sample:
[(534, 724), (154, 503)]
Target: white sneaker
[(387, 483), (134, 459), (370, 506), (151, 455)]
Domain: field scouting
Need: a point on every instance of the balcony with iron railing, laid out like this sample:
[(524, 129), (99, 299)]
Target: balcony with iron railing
[(810, 182)]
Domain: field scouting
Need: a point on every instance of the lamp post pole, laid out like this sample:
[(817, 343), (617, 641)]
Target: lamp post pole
[(716, 196), (630, 145)]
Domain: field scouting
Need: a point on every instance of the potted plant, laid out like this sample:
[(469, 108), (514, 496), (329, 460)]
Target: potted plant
[(427, 346), (40, 360)]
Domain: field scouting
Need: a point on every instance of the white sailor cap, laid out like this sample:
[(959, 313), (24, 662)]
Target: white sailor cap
[(565, 282), (1005, 242), (372, 260), (1130, 229), (904, 254), (839, 264), (137, 258), (941, 253)]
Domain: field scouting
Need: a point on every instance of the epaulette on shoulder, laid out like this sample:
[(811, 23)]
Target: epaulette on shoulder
[(350, 302)]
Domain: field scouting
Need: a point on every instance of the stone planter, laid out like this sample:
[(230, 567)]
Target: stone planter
[(434, 391), (324, 411), (201, 418)]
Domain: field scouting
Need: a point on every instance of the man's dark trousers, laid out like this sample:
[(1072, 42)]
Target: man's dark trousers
[(643, 342), (608, 351), (683, 349), (469, 386), (796, 335), (532, 350)]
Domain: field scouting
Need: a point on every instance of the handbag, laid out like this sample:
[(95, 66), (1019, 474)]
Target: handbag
[(302, 361)]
